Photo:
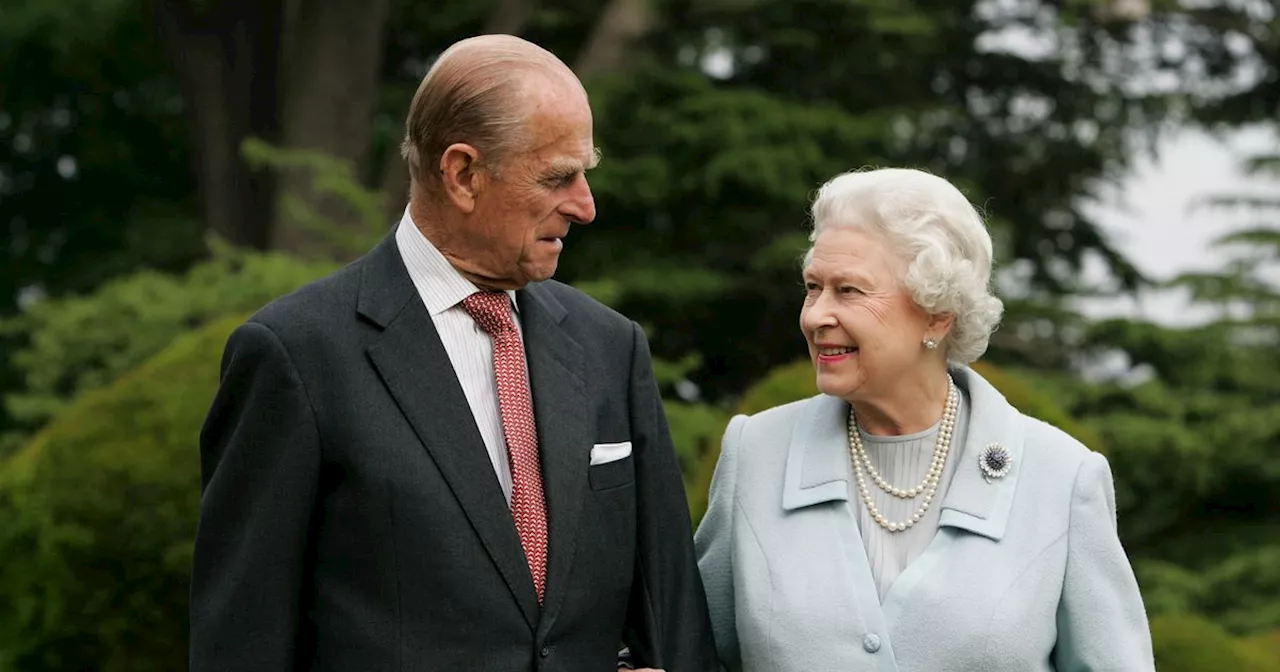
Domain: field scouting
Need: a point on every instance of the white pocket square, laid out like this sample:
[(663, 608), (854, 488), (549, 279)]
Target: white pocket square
[(603, 453)]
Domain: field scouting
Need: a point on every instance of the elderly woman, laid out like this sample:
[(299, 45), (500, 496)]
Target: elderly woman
[(908, 518)]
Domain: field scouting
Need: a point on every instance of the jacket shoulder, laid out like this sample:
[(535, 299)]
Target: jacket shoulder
[(1052, 457), (316, 306), (578, 302), (770, 429), (785, 415)]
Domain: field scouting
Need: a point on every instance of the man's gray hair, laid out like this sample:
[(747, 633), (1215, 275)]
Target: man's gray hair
[(473, 94), (943, 247)]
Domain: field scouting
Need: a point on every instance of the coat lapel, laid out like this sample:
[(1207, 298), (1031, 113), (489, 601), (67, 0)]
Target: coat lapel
[(817, 462), (971, 502), (564, 431), (413, 364), (818, 470)]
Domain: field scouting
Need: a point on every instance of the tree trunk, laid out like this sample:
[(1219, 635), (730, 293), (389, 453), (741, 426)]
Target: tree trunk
[(621, 25), (226, 62), (333, 51)]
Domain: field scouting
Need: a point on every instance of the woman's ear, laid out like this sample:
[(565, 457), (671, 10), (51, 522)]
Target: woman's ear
[(939, 326)]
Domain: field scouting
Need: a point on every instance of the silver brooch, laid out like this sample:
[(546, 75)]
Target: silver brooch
[(994, 461)]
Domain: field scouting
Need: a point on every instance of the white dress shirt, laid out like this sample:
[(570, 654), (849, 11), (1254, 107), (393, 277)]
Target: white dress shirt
[(470, 348)]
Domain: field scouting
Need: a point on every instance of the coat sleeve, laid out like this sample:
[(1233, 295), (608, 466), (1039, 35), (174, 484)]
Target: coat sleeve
[(714, 545), (667, 623), (1102, 624), (259, 455)]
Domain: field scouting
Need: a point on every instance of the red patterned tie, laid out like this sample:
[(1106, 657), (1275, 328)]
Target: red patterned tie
[(492, 311)]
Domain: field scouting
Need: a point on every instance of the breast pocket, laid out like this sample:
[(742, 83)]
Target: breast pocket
[(615, 473)]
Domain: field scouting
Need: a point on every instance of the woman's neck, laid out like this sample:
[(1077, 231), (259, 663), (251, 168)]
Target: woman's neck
[(913, 405)]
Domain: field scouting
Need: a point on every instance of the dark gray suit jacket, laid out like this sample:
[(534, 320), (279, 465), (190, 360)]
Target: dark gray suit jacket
[(351, 520)]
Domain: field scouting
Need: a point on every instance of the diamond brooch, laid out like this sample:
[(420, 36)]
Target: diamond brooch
[(994, 461)]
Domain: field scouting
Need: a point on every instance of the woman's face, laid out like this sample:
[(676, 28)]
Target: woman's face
[(864, 331)]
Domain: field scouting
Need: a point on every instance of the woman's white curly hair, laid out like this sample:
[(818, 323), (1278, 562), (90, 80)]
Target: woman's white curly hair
[(939, 237)]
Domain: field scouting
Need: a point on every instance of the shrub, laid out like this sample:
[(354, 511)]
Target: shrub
[(1187, 643), (80, 343), (100, 511)]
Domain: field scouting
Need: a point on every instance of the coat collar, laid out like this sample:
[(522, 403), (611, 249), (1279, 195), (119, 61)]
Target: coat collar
[(818, 468)]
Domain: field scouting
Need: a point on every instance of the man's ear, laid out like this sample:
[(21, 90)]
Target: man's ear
[(461, 175)]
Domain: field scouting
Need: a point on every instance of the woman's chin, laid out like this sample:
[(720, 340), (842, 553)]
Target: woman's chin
[(834, 384)]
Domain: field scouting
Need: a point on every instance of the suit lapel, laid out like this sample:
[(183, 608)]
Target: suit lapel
[(416, 369), (564, 430)]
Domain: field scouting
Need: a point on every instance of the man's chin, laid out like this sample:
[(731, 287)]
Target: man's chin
[(540, 272)]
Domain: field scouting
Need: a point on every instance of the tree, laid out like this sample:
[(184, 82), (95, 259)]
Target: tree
[(1194, 438), (300, 72), (735, 111)]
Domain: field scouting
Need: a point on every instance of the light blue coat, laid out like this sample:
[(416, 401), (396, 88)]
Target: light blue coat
[(1025, 574)]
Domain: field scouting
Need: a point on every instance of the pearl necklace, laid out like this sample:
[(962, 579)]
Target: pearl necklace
[(928, 487)]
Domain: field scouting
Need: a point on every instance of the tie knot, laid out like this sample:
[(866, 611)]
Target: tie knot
[(490, 310)]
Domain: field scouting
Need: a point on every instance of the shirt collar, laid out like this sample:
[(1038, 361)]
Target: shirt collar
[(439, 284)]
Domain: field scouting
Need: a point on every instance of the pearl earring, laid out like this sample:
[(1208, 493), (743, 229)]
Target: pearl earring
[(930, 344)]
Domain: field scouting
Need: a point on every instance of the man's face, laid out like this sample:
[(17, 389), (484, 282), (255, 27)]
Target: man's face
[(524, 211)]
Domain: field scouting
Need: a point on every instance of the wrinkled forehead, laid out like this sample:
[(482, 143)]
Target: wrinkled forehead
[(561, 138), (850, 251)]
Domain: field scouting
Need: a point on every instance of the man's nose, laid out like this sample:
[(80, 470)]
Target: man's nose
[(581, 206)]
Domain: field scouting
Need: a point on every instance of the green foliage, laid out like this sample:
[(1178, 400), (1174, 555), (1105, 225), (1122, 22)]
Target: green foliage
[(94, 161), (1240, 591), (696, 430), (1027, 393), (79, 343), (1193, 444), (331, 179), (1248, 283), (712, 172), (1186, 643), (64, 24), (782, 385), (100, 511)]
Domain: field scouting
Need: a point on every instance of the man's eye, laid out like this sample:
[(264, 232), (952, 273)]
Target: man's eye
[(560, 181)]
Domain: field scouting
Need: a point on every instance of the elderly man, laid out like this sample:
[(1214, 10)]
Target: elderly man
[(437, 458)]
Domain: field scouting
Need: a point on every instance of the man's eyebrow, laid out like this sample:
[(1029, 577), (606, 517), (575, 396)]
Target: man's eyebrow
[(568, 166)]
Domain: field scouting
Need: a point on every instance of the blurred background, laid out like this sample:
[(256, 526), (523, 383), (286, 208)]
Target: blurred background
[(169, 166)]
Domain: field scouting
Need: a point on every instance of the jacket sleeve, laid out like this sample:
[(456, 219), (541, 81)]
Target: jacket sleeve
[(667, 624), (259, 455), (1102, 624), (714, 545)]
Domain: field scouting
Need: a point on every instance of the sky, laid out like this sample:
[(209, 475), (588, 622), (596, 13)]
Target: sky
[(1151, 219)]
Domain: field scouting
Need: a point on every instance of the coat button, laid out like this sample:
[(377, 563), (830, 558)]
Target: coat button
[(871, 643), (547, 650)]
